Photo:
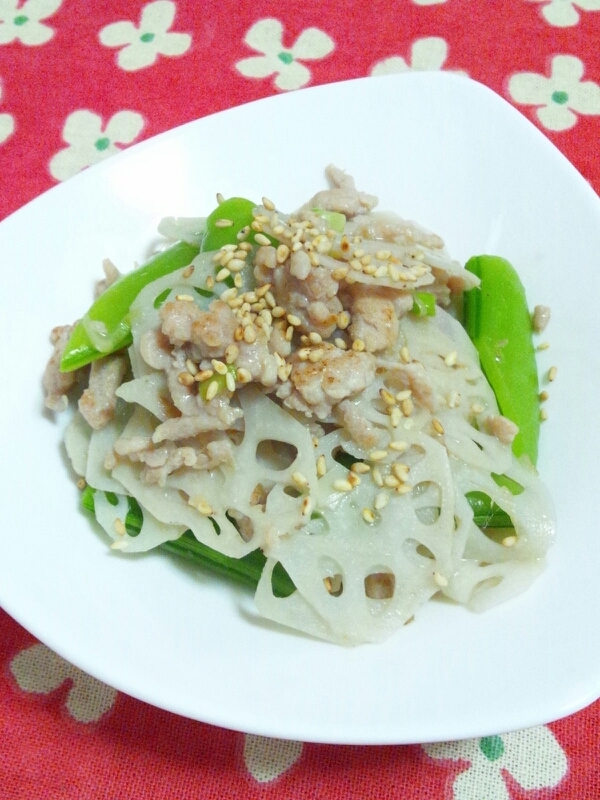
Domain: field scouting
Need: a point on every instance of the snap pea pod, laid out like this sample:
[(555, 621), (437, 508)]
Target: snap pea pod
[(246, 570), (227, 220), (498, 321), (109, 313)]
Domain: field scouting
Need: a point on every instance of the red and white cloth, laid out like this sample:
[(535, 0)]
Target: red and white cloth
[(80, 81)]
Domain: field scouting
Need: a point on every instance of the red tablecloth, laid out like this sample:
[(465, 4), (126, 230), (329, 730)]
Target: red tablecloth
[(80, 80)]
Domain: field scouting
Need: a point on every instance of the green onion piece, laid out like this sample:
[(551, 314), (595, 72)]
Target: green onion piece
[(423, 304), (220, 380), (335, 220), (105, 328), (498, 322)]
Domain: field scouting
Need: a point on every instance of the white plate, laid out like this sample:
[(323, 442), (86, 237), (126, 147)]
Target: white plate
[(436, 148)]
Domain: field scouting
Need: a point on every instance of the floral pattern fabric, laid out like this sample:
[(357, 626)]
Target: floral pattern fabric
[(80, 82)]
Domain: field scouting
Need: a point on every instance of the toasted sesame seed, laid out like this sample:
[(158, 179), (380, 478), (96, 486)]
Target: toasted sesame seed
[(381, 500), (204, 508), (300, 479), (377, 476), (241, 253), (262, 218), (407, 407), (315, 441), (316, 355), (340, 344), (243, 233), (238, 281), (398, 445), (213, 388), (236, 265), (381, 272), (341, 485), (315, 338), (261, 239), (245, 246), (120, 528), (543, 396), (249, 334), (219, 367), (404, 488), (378, 455), (230, 382), (368, 516), (476, 408), (293, 320), (229, 294), (203, 375), (453, 399), (356, 265), (220, 198), (191, 366), (339, 273), (314, 259), (405, 355), (391, 481), (395, 416), (256, 226), (268, 204), (543, 415), (185, 379), (296, 247), (321, 466), (226, 257), (353, 479), (81, 484), (401, 471), (289, 334), (370, 269), (543, 346), (278, 230), (387, 397), (187, 298), (552, 373), (358, 345), (188, 271), (119, 544), (450, 359), (394, 273), (440, 579), (307, 506), (223, 223), (244, 375), (303, 353), (278, 312), (360, 468), (343, 320), (437, 425), (509, 541), (222, 274), (383, 255)]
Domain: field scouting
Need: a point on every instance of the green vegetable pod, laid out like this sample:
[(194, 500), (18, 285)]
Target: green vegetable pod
[(105, 328), (498, 321)]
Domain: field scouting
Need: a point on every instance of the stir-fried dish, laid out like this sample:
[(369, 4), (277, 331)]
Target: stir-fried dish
[(294, 399)]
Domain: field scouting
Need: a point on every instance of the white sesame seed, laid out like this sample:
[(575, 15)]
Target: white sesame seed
[(283, 252), (405, 355), (120, 529), (249, 334), (398, 445), (378, 455), (186, 298), (450, 359), (293, 320), (300, 479), (213, 388), (219, 367), (358, 345), (315, 355), (191, 367), (437, 425), (220, 198), (509, 541), (440, 579), (340, 343), (552, 373), (244, 375), (236, 265), (395, 416), (368, 516), (222, 274), (119, 544), (321, 466), (381, 500), (360, 468), (341, 485), (223, 223), (260, 238), (307, 506), (377, 476)]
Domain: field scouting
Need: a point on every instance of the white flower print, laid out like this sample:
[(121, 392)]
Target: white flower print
[(144, 43), (7, 124), (90, 142), (426, 54), (23, 22), (267, 759), (37, 669), (563, 13), (560, 97), (533, 757), (266, 37)]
